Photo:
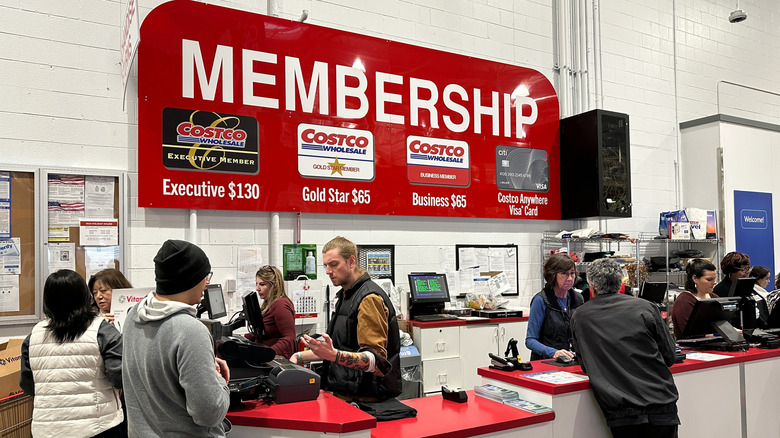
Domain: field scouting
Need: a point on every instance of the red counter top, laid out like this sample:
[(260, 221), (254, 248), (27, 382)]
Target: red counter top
[(459, 322), (325, 414), (517, 377), (437, 417)]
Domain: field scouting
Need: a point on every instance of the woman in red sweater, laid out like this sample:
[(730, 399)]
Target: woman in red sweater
[(278, 311)]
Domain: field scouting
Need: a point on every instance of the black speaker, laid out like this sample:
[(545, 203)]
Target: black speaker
[(595, 165)]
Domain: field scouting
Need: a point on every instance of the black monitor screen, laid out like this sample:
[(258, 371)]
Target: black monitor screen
[(654, 291), (743, 287), (214, 301), (253, 314), (712, 315), (429, 288)]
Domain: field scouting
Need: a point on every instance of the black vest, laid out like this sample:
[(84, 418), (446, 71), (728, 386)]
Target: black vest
[(343, 330), (556, 330)]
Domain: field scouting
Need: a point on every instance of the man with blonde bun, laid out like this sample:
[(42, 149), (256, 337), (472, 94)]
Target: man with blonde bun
[(361, 350)]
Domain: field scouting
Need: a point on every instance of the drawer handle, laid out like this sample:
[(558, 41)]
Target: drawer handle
[(441, 346), (442, 378)]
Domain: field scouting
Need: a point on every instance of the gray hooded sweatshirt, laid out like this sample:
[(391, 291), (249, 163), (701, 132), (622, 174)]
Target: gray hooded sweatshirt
[(171, 385)]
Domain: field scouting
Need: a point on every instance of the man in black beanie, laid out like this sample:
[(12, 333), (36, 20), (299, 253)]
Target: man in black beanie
[(168, 366)]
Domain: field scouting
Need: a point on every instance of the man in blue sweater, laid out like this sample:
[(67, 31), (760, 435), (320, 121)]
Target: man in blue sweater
[(174, 385)]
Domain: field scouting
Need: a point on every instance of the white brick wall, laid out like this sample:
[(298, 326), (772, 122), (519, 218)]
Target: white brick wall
[(61, 104)]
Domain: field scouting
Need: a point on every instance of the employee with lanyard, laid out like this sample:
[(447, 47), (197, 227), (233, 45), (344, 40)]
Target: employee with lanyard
[(549, 331)]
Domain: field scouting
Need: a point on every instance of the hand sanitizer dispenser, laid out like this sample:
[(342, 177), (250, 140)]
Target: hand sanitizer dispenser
[(311, 263)]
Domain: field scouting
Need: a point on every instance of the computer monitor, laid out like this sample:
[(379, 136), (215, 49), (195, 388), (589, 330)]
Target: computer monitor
[(253, 315), (743, 287), (747, 319), (654, 291), (214, 301), (713, 315), (429, 292)]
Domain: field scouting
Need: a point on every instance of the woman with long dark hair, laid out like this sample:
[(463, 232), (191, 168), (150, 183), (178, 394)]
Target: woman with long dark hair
[(700, 278), (72, 364), (278, 311)]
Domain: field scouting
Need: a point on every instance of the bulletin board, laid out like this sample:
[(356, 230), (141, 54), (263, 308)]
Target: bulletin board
[(19, 302), (83, 221), (490, 258)]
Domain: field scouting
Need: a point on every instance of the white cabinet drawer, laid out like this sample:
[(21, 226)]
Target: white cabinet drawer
[(441, 372), (437, 342)]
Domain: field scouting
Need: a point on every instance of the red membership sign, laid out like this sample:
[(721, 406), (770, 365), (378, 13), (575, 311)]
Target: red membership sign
[(241, 111)]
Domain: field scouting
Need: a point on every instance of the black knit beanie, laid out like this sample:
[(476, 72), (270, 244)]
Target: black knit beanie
[(179, 266)]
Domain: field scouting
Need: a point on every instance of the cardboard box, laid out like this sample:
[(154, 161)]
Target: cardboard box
[(703, 223), (10, 367)]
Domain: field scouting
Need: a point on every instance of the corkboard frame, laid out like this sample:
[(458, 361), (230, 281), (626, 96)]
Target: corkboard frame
[(25, 217), (119, 213)]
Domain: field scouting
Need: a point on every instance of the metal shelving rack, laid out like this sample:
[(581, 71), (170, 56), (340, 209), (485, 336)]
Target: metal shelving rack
[(710, 248), (643, 244), (582, 245)]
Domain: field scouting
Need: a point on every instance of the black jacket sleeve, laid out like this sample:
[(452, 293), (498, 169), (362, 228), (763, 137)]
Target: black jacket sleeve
[(110, 343), (26, 381)]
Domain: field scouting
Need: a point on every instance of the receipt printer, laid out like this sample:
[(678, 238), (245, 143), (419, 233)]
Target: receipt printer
[(289, 383)]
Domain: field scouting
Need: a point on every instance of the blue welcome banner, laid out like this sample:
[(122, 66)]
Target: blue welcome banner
[(753, 230)]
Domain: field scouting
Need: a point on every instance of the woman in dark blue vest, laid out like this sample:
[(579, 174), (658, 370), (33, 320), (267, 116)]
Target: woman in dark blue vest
[(549, 330)]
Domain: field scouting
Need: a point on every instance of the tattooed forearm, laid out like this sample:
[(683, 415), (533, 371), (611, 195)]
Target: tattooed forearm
[(356, 361)]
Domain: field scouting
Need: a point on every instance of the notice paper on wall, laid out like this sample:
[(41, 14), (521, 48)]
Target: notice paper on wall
[(97, 258), (378, 262), (10, 256), (100, 232), (62, 256), (250, 258), (5, 218), (66, 199), (499, 284), (99, 196), (9, 293)]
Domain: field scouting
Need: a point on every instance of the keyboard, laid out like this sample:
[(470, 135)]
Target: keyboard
[(434, 317), (697, 341)]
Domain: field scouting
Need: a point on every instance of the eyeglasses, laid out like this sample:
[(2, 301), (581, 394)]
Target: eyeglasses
[(211, 274)]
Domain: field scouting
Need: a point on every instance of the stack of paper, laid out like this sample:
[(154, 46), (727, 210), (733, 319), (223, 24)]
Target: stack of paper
[(528, 406), (496, 393)]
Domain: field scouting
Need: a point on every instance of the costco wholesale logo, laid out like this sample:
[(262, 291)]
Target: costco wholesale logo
[(207, 141), (437, 161), (330, 152)]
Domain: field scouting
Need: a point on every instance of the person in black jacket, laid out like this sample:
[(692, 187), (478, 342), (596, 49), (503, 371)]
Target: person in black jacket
[(734, 265), (625, 348), (361, 349), (549, 332)]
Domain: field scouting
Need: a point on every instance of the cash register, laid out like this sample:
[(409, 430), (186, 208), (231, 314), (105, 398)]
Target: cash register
[(255, 370), (713, 316)]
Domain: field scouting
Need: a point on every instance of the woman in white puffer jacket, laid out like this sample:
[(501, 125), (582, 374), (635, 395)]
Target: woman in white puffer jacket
[(72, 364)]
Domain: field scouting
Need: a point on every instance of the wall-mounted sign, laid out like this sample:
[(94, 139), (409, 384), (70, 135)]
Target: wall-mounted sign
[(241, 111)]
